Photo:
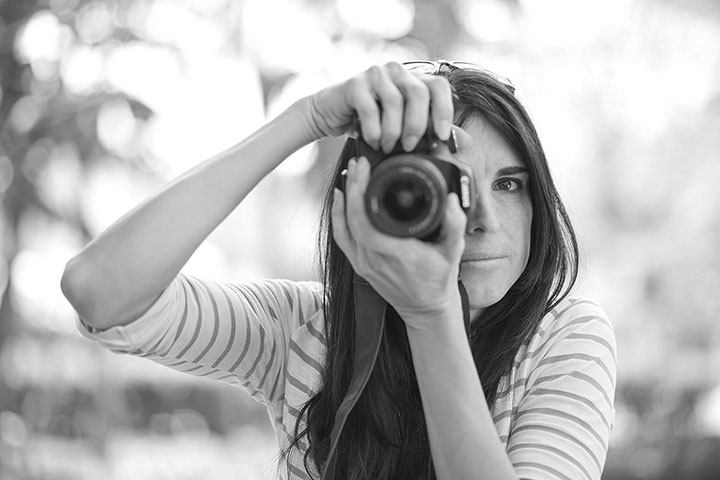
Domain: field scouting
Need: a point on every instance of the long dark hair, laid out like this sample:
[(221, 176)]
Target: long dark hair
[(385, 435)]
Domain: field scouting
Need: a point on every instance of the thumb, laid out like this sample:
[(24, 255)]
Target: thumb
[(453, 225)]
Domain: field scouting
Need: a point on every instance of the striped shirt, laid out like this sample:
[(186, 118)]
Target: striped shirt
[(553, 412)]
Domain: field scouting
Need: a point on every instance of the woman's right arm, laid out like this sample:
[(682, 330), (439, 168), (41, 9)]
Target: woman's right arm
[(119, 274)]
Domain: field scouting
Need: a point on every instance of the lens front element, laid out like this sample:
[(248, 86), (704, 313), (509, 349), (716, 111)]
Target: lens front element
[(406, 196), (406, 199)]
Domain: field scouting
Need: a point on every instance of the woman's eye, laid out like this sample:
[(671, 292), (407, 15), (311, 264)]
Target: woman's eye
[(509, 184)]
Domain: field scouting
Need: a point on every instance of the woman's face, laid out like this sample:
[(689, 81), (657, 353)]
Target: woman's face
[(498, 245)]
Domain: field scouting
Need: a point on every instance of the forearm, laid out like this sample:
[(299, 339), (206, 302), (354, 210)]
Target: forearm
[(463, 439), (122, 271)]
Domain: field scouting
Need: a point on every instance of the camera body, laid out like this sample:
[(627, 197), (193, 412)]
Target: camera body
[(407, 192)]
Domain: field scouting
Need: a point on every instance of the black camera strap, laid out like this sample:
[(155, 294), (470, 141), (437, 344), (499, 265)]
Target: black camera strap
[(370, 310)]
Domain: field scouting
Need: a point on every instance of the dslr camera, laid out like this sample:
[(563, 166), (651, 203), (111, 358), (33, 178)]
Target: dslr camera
[(407, 192)]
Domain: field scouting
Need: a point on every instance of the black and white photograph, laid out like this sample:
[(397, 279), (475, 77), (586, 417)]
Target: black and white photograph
[(359, 240)]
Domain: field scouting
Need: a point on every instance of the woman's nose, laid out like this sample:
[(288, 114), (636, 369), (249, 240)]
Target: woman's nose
[(485, 217)]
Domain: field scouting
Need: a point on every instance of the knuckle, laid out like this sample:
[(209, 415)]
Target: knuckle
[(416, 122), (354, 83), (392, 98), (419, 90), (438, 85), (365, 110), (437, 81), (394, 66), (375, 71)]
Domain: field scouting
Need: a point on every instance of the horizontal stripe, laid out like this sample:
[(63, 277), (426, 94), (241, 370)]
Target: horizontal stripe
[(306, 359), (502, 415), (316, 333), (573, 396), (518, 383), (597, 339), (231, 336), (542, 467), (547, 342), (575, 303), (193, 369), (294, 412), (216, 325), (198, 323), (548, 448), (577, 356), (298, 472), (259, 356), (299, 385), (184, 316), (246, 346), (567, 416), (270, 364), (559, 433), (580, 376), (278, 381)]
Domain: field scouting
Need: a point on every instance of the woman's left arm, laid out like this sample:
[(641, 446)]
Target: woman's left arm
[(562, 424), (419, 280), (463, 438)]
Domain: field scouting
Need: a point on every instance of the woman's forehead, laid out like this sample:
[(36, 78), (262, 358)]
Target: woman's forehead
[(488, 147)]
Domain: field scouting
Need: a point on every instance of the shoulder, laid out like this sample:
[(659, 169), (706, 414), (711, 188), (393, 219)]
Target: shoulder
[(566, 389), (577, 324), (575, 339)]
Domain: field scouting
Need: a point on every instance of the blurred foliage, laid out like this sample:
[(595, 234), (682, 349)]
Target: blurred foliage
[(102, 101)]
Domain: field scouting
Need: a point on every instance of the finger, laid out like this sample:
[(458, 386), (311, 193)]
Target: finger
[(441, 105), (391, 105), (367, 110), (452, 234), (341, 234), (417, 105), (359, 225)]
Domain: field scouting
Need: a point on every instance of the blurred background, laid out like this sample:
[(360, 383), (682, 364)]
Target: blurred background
[(103, 101)]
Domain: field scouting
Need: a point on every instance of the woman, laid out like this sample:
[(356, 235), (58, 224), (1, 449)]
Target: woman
[(528, 394)]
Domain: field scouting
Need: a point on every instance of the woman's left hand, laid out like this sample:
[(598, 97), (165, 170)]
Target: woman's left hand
[(418, 278)]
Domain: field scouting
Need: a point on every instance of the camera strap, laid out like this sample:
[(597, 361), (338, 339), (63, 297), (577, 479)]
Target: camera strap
[(370, 310)]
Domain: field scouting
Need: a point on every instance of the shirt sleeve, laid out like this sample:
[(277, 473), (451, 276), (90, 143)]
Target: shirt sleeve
[(235, 333), (562, 426)]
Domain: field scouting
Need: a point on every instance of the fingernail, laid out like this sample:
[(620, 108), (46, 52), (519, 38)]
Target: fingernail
[(363, 163), (409, 143), (443, 130)]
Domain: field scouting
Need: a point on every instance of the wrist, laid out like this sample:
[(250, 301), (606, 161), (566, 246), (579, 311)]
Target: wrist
[(302, 111), (447, 316)]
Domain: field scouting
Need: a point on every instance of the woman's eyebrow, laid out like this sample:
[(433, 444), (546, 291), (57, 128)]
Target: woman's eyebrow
[(512, 170)]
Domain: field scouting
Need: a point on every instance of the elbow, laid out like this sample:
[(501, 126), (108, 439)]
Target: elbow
[(75, 285)]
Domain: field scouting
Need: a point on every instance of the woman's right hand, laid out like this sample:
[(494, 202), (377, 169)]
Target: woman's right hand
[(390, 103)]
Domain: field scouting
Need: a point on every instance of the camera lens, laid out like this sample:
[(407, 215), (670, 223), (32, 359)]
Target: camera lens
[(406, 196), (406, 199)]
